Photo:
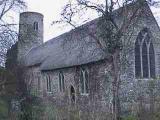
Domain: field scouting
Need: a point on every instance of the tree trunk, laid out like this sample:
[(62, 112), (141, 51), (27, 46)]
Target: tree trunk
[(116, 85)]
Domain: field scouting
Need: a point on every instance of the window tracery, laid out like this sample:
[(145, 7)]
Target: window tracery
[(144, 56)]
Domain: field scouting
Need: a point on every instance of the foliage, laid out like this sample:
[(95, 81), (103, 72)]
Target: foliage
[(3, 109), (156, 116), (50, 111), (6, 82), (31, 109), (34, 108), (7, 90)]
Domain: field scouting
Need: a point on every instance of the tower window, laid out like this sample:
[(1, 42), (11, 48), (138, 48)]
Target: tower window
[(144, 56), (84, 81), (35, 26)]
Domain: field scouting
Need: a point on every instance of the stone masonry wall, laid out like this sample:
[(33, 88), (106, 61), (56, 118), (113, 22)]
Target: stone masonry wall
[(86, 105), (28, 36)]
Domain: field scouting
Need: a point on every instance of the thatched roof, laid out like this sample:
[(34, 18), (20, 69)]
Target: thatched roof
[(69, 49)]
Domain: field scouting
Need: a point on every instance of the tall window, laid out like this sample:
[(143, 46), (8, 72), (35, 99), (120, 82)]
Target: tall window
[(39, 83), (61, 82), (35, 25), (49, 84), (84, 81), (144, 56)]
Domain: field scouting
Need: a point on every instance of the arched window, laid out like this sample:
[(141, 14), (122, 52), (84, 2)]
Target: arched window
[(137, 59), (49, 84), (61, 82), (84, 81), (35, 25), (144, 56), (39, 82), (145, 60), (152, 60)]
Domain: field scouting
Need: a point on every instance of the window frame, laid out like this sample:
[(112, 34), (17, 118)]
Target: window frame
[(144, 40), (61, 82), (35, 26), (49, 84), (39, 82), (83, 79)]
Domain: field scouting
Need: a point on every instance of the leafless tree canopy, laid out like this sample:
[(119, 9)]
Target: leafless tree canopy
[(78, 12), (8, 29)]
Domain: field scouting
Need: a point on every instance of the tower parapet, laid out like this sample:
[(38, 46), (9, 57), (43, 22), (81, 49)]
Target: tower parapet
[(30, 32)]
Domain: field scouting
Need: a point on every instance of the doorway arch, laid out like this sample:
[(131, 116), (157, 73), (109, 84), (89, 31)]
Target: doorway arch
[(72, 94)]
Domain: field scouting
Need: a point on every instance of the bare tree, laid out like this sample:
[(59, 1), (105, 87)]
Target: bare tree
[(76, 12), (8, 29)]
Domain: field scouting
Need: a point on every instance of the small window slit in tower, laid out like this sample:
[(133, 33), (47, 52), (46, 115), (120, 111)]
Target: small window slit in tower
[(35, 26)]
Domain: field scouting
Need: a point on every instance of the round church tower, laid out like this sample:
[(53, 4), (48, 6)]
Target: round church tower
[(30, 32)]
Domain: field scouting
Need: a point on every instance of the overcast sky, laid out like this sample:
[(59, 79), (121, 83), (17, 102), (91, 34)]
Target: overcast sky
[(51, 10)]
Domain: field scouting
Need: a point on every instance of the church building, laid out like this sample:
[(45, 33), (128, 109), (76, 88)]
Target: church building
[(74, 73)]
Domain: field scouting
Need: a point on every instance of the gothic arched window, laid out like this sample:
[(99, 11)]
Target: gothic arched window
[(137, 59), (49, 84), (144, 56), (84, 81), (61, 82), (35, 25)]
